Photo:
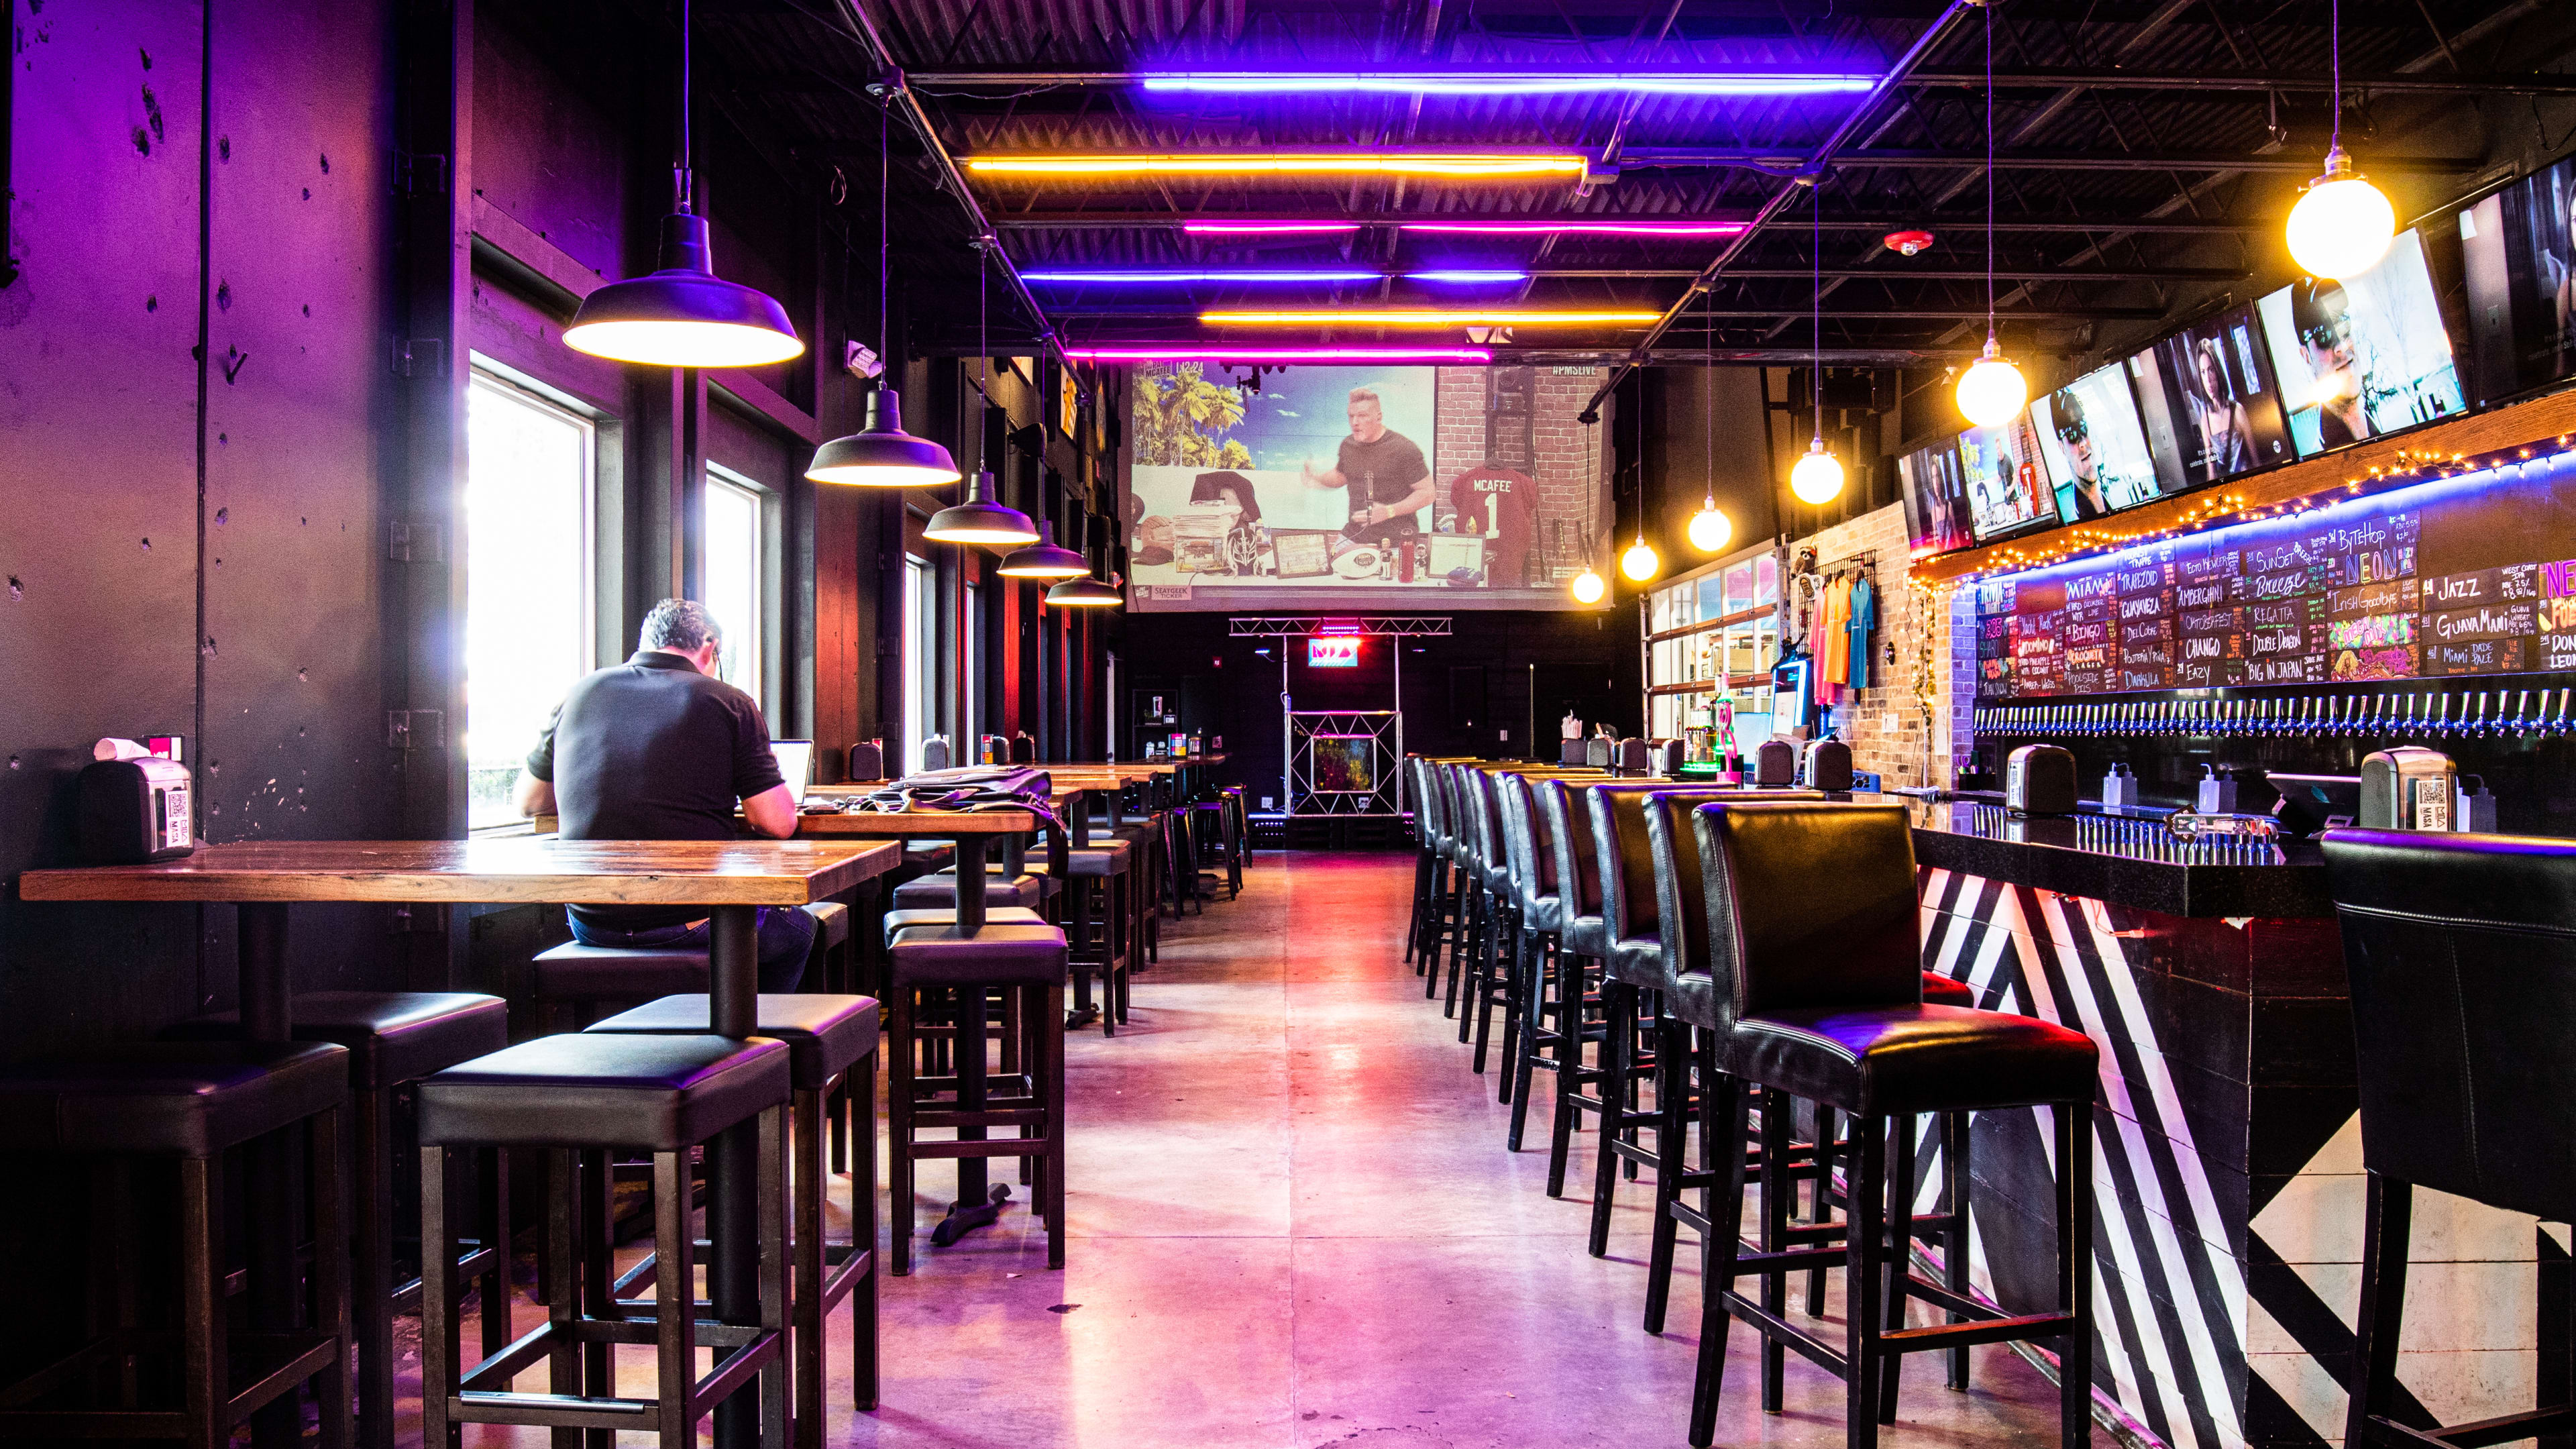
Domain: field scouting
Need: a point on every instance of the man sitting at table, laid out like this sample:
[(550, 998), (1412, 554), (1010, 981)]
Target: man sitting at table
[(658, 748)]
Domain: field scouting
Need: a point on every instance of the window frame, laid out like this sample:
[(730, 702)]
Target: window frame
[(591, 425), (764, 633)]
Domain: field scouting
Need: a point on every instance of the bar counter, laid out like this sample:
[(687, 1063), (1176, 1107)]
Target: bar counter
[(2228, 1152)]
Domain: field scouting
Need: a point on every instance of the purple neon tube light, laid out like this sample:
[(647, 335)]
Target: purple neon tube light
[(1266, 228), (1128, 277), (1582, 224), (1484, 83)]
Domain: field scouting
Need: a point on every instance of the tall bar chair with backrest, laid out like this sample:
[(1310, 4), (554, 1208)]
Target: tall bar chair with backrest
[(1534, 1020), (2462, 956), (1567, 821), (1814, 990), (1492, 976), (1475, 861), (1449, 920)]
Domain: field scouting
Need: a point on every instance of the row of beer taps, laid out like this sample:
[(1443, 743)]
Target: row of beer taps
[(2496, 714)]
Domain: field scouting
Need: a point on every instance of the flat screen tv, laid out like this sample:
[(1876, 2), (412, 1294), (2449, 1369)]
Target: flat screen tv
[(2208, 400), (1936, 499), (2363, 355), (2094, 447), (2001, 469), (2518, 249)]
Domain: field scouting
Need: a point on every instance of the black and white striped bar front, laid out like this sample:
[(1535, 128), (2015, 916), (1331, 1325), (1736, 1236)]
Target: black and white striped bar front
[(2229, 1174)]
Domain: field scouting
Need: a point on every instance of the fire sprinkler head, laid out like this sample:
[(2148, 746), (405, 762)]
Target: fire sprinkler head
[(1907, 243)]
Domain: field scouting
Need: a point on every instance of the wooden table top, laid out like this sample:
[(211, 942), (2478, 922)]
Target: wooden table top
[(540, 869), (917, 824)]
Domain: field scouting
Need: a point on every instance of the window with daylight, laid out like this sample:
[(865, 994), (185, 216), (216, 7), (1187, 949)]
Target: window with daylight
[(736, 582), (528, 579), (920, 659)]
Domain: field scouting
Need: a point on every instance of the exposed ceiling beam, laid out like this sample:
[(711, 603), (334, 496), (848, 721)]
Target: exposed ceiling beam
[(2025, 78), (1888, 221)]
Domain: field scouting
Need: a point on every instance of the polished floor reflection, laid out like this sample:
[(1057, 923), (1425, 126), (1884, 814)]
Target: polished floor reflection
[(1294, 1224)]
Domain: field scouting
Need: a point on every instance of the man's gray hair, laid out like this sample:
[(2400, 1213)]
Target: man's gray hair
[(1367, 395), (679, 626)]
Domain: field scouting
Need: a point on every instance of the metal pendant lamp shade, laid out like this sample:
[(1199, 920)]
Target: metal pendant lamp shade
[(979, 520), (1086, 593), (1044, 560), (881, 454), (683, 315)]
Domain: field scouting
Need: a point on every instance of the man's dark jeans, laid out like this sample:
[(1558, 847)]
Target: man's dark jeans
[(786, 935)]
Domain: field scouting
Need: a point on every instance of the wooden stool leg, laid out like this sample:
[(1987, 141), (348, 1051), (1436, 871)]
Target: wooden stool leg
[(595, 1251), (373, 1311), (900, 1005), (331, 1277), (1724, 1119), (1954, 1243), (773, 1207), (805, 1239), (503, 1243), (1618, 1047), (1051, 1094), (1900, 1249), (2075, 1274), (861, 1084), (438, 1331), (675, 1319), (1776, 1190), (564, 1211), (1672, 1131), (201, 1294), (1865, 1235)]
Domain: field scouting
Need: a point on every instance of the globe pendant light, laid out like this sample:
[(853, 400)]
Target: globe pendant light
[(1710, 529), (1817, 477), (980, 520), (1086, 593), (1043, 560), (683, 314), (1589, 586), (1992, 390), (1639, 562), (881, 454), (2342, 224)]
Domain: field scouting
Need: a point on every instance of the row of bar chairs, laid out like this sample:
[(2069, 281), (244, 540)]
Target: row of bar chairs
[(1749, 959)]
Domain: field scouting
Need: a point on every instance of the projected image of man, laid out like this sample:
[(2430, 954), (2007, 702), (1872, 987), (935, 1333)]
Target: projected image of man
[(1389, 483)]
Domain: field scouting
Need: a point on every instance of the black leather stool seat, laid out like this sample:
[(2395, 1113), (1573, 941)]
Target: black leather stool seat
[(191, 1098), (1897, 1061), (1098, 861), (942, 917), (393, 1037), (941, 890), (575, 972), (655, 1093), (831, 922), (927, 956), (1940, 990), (825, 1033)]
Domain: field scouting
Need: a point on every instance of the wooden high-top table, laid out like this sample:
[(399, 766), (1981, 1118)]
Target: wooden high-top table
[(731, 878)]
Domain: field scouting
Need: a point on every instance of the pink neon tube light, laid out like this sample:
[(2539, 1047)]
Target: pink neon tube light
[(1198, 352)]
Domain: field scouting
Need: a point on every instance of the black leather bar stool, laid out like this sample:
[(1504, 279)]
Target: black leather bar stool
[(1097, 877), (1527, 1019), (190, 1101), (574, 1094), (1814, 989), (1441, 927), (939, 890), (1487, 980), (1020, 960), (1424, 853), (572, 982), (2461, 950), (395, 1038), (831, 1045)]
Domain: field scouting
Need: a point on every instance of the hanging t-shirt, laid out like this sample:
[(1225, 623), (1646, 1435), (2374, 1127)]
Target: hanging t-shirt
[(1503, 505), (1864, 615)]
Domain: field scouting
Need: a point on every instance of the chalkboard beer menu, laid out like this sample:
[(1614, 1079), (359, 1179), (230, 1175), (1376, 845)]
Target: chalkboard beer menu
[(2468, 575)]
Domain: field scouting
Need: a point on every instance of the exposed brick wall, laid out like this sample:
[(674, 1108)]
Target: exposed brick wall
[(1888, 727), (1559, 442)]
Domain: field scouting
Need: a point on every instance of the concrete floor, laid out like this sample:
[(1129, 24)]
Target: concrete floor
[(1294, 1225)]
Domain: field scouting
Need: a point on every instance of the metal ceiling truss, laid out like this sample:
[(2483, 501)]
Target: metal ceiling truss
[(1298, 626)]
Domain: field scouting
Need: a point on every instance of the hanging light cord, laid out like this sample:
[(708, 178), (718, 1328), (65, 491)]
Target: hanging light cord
[(1990, 173), (984, 351), (1816, 292), (687, 180), (2334, 52), (885, 189)]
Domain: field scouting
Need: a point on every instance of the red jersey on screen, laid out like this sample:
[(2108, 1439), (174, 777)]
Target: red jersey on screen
[(1488, 497)]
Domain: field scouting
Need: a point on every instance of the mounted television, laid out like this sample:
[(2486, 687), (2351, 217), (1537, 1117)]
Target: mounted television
[(1333, 651), (1936, 499), (2518, 248), (2209, 403), (2001, 468), (2095, 449), (2362, 355)]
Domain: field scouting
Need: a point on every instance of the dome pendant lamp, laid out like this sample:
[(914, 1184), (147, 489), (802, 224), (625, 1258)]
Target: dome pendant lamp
[(1086, 593), (1639, 562), (1817, 477), (1589, 586), (881, 454), (2342, 224), (981, 519), (1992, 390), (683, 314), (1043, 560)]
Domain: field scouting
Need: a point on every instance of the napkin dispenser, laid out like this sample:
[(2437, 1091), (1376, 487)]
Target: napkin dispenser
[(132, 812), (1775, 765), (2040, 780), (2408, 788)]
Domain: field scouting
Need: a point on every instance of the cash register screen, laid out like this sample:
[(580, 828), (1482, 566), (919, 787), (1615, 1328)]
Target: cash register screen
[(795, 762)]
